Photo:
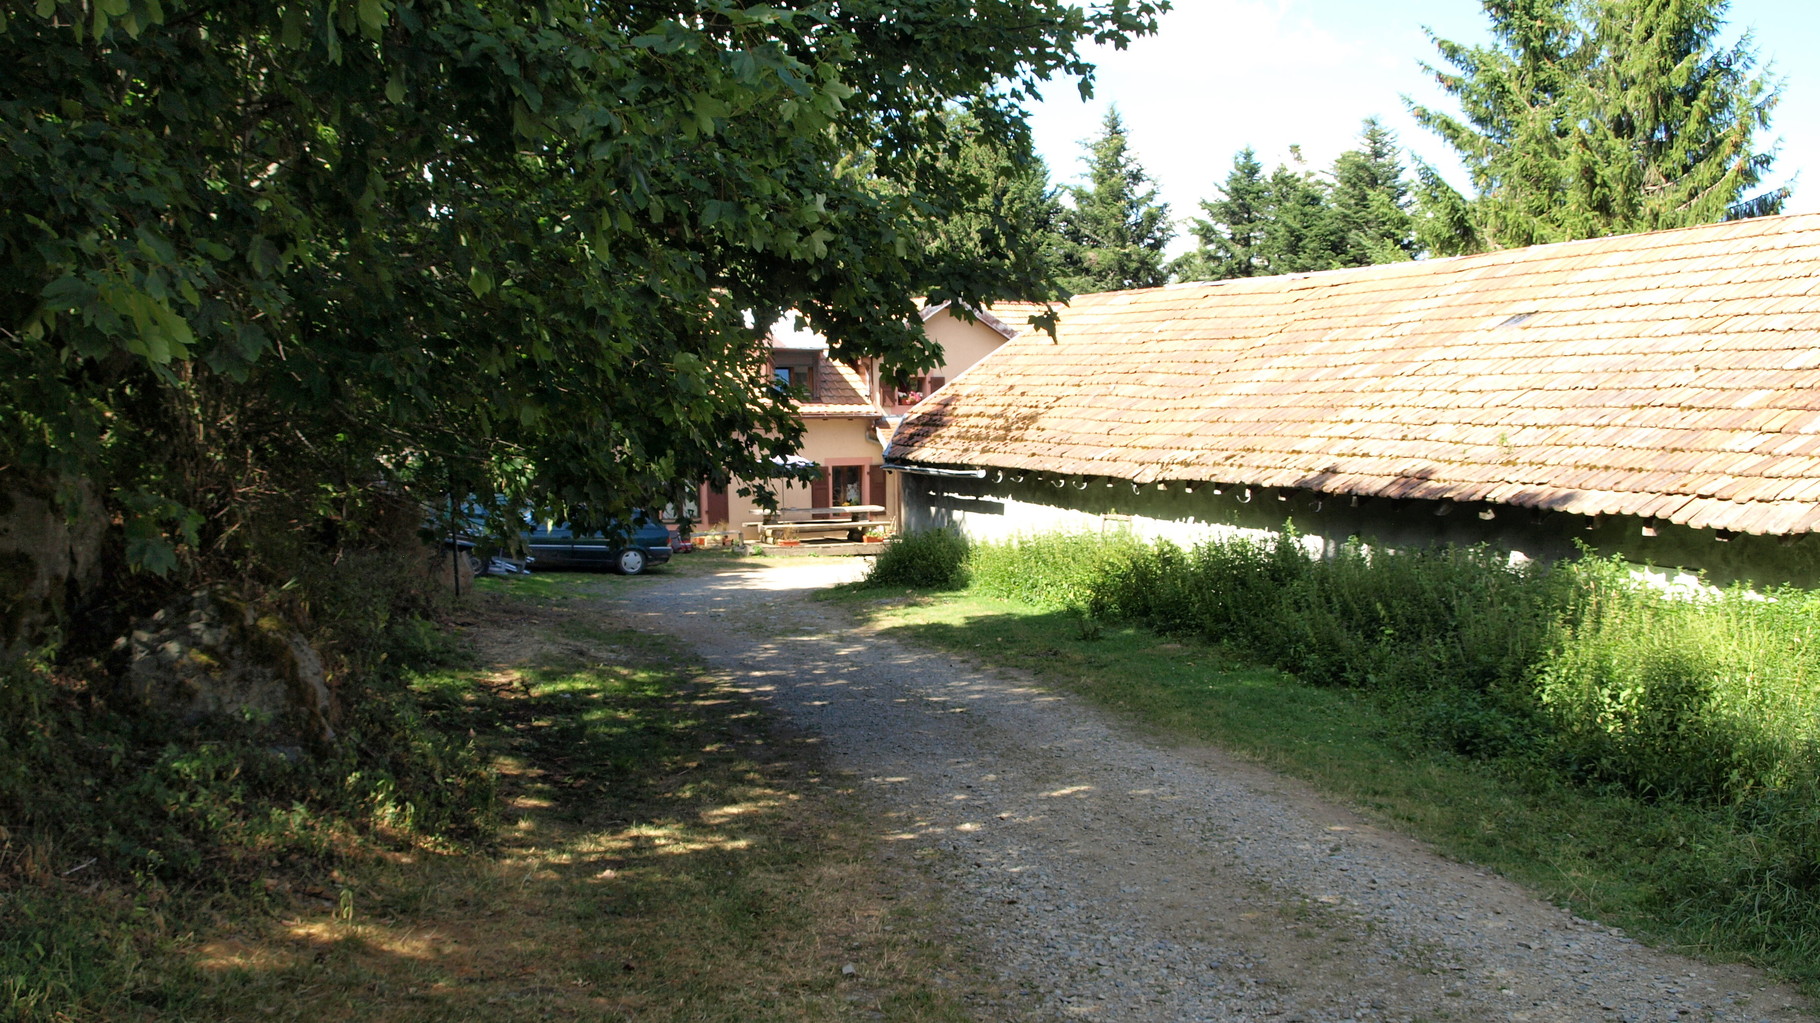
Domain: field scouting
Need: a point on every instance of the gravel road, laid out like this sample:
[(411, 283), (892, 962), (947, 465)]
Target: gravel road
[(1101, 875)]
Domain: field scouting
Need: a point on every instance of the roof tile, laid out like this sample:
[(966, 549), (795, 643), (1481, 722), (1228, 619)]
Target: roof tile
[(1677, 372)]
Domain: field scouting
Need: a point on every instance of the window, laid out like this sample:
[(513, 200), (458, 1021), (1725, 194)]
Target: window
[(796, 375), (848, 488), (915, 389)]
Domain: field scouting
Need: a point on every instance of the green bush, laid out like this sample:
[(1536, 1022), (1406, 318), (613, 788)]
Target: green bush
[(1711, 698), (930, 559), (1065, 571), (1577, 667)]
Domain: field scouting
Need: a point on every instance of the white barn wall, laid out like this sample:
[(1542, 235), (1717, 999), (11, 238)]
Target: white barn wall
[(1000, 508)]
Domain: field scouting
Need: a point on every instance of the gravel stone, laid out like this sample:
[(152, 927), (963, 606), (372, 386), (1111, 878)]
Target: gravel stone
[(1101, 875)]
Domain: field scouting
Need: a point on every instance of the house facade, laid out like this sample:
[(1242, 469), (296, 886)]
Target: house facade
[(1651, 396), (848, 412)]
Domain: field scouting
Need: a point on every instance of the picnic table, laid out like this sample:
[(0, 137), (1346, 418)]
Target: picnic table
[(858, 518)]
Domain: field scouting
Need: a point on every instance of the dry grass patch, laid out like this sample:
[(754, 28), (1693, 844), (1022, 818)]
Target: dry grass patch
[(668, 854)]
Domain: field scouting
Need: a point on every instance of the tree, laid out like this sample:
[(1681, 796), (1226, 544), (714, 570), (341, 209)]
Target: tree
[(1295, 221), (1232, 234), (1597, 117), (1303, 232), (274, 267), (1007, 234), (1371, 199), (1114, 232)]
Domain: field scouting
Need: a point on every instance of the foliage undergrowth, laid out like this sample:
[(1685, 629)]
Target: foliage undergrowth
[(934, 559), (117, 825), (1688, 722)]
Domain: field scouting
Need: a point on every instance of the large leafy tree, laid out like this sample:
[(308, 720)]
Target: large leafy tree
[(1592, 117), (271, 264), (1115, 230)]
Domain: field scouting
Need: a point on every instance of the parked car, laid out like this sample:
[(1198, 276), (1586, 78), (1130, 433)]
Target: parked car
[(628, 550)]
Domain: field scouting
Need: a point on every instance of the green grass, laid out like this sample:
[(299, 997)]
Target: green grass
[(656, 850), (1701, 877)]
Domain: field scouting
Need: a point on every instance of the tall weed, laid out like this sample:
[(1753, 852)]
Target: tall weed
[(1577, 667), (1711, 698)]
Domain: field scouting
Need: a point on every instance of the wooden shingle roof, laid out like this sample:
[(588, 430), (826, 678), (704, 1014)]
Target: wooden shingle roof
[(1673, 375)]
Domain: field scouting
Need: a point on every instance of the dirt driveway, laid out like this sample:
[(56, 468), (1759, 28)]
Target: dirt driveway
[(1102, 876)]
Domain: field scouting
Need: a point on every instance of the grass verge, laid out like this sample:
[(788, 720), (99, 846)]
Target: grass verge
[(1606, 855), (663, 853)]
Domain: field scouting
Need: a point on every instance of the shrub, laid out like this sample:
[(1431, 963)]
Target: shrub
[(930, 559), (1064, 571), (1603, 678), (1711, 699)]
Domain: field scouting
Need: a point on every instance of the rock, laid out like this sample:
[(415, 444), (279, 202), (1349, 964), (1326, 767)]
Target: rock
[(214, 655)]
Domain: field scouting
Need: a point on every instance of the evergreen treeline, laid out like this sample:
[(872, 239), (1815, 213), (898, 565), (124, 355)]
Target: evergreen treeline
[(1582, 118)]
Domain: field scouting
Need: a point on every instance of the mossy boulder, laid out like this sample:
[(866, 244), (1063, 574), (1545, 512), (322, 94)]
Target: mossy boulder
[(215, 655)]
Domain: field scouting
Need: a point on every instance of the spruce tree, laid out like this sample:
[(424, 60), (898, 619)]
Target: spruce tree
[(1114, 233), (1232, 234), (1295, 221), (1371, 200), (1002, 232), (1303, 232), (1685, 113), (1597, 117)]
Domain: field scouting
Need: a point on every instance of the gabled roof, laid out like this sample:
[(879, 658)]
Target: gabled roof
[(1673, 375), (840, 390), (1007, 316)]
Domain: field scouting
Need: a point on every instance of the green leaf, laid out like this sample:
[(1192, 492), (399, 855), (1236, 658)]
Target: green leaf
[(67, 293), (372, 16)]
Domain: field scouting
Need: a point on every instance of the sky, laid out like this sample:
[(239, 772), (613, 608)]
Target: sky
[(1223, 74)]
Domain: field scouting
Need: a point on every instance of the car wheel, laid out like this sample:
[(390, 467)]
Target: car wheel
[(476, 566), (630, 561)]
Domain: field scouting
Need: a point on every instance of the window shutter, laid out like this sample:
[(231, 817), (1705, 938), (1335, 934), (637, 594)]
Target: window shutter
[(935, 384), (875, 484), (821, 492)]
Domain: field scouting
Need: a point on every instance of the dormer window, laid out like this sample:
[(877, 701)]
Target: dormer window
[(795, 374)]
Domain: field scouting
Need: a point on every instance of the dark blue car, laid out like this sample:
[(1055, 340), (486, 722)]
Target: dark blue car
[(628, 550)]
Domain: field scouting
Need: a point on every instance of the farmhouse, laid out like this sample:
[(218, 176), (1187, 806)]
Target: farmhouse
[(848, 411), (1653, 396)]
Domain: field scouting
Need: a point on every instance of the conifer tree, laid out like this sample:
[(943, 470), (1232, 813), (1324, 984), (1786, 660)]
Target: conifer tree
[(1371, 200), (1295, 221), (1685, 113), (1004, 229), (1303, 231), (1592, 117), (1114, 233), (1232, 235)]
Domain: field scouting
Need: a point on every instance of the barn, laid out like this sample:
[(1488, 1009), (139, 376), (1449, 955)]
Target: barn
[(1652, 396)]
